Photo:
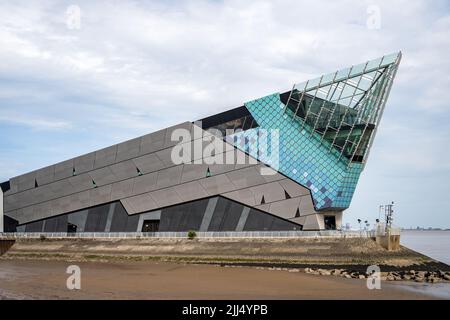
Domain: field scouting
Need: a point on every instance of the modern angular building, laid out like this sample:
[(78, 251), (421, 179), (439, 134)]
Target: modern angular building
[(286, 161)]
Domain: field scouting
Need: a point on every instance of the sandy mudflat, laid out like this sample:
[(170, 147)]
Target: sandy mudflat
[(40, 279)]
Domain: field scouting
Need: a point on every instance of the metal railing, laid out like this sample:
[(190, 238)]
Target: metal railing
[(209, 234)]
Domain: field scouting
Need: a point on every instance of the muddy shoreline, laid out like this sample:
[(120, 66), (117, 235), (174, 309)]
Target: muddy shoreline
[(46, 279)]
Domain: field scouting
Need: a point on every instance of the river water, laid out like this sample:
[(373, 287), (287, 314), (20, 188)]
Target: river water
[(435, 244)]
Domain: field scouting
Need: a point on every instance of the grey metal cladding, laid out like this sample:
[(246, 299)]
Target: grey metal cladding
[(25, 198), (14, 186), (26, 181), (121, 222), (169, 177), (148, 163), (168, 138), (139, 203), (166, 197), (41, 194), (84, 163), (34, 226), (41, 211), (81, 182), (209, 211), (132, 223), (183, 217), (270, 191), (286, 208), (128, 205), (153, 142), (124, 170), (306, 205), (100, 195), (145, 183), (215, 169), (110, 216), (165, 156), (128, 149), (96, 218), (263, 207), (243, 195), (61, 205), (256, 221), (191, 191), (245, 177), (242, 219), (63, 169), (45, 175), (103, 176), (122, 189), (56, 224), (293, 188), (105, 156), (193, 172), (226, 215), (281, 225), (80, 200), (24, 214), (61, 188), (217, 184), (10, 202)]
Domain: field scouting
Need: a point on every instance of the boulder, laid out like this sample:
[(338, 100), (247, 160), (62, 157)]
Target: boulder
[(421, 274), (336, 272), (432, 279)]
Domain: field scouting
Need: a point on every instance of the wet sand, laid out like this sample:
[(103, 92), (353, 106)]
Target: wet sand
[(40, 279)]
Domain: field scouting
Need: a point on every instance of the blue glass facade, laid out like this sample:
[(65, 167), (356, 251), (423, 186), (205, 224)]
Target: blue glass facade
[(302, 157)]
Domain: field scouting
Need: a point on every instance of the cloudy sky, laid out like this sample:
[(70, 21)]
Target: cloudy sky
[(131, 67)]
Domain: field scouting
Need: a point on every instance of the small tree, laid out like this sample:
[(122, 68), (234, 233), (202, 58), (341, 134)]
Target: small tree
[(192, 234)]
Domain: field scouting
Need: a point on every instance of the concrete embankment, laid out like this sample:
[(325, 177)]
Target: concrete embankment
[(258, 251)]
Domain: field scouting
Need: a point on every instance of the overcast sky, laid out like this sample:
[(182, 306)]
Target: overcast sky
[(131, 67)]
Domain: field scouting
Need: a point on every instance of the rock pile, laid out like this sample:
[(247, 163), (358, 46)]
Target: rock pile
[(410, 275)]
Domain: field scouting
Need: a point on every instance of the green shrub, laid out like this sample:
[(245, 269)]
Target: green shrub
[(192, 234), (42, 237)]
